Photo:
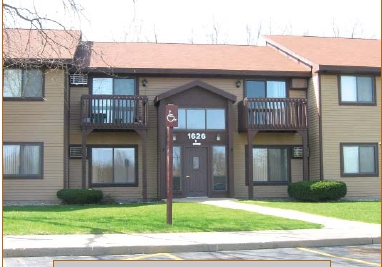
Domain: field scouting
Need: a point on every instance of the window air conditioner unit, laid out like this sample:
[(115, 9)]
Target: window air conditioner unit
[(297, 152), (77, 79), (75, 152)]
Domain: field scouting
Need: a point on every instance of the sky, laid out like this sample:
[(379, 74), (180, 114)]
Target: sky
[(213, 21)]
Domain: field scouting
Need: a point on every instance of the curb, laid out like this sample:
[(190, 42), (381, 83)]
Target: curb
[(134, 249)]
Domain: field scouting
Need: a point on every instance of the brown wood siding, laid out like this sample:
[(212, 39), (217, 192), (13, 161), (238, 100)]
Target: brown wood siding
[(75, 113), (156, 86), (297, 93), (353, 124), (75, 173), (38, 121), (296, 170), (313, 128)]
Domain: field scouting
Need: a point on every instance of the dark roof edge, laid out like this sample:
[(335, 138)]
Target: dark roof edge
[(199, 72), (349, 69)]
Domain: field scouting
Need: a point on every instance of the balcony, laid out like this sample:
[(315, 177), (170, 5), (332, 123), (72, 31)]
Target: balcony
[(273, 114), (114, 112)]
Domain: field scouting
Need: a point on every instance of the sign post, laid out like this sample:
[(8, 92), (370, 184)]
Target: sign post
[(171, 118)]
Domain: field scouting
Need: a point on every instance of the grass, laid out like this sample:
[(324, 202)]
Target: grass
[(137, 218), (363, 211)]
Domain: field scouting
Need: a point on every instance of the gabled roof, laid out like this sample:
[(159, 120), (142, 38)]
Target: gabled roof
[(196, 83), (190, 59), (40, 45), (328, 53)]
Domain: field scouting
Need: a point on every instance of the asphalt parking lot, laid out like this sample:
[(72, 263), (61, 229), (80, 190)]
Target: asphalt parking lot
[(349, 256)]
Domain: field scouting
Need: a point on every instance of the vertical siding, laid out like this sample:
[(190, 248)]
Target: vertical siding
[(313, 128), (348, 124), (38, 121)]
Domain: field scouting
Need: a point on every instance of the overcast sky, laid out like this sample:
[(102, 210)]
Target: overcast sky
[(198, 21)]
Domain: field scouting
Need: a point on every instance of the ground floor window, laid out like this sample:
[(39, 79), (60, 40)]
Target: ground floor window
[(23, 160), (359, 159), (219, 168), (176, 168), (271, 165), (114, 166)]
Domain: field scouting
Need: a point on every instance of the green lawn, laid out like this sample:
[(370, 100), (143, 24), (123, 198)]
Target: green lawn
[(137, 218), (364, 211)]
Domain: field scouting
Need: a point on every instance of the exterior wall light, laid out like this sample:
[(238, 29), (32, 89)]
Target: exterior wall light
[(144, 82), (238, 83), (218, 137), (174, 137)]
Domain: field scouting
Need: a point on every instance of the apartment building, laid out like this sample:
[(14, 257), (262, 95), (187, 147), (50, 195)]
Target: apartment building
[(248, 122), (344, 108)]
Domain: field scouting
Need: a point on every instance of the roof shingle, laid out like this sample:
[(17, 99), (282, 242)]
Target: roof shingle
[(329, 51), (34, 44), (189, 57)]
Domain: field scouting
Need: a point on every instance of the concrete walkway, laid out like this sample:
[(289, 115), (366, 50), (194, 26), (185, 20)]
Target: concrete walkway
[(335, 232)]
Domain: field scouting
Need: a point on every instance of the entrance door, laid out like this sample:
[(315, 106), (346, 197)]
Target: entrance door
[(196, 172)]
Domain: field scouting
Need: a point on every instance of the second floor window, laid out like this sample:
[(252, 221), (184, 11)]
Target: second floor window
[(23, 83), (357, 89), (265, 89), (113, 86), (201, 119)]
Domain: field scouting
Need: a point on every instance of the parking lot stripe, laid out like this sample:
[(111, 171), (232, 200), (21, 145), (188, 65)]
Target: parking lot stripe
[(339, 257), (155, 255)]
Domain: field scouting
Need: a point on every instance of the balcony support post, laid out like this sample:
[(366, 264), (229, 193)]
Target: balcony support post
[(85, 133), (305, 163), (250, 135), (143, 135)]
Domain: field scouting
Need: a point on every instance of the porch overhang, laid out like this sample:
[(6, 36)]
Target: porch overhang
[(193, 84)]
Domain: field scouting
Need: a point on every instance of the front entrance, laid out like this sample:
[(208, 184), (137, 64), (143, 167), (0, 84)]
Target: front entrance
[(195, 181), (202, 141)]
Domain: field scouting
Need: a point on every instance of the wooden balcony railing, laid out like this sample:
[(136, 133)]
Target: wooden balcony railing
[(114, 111), (273, 114)]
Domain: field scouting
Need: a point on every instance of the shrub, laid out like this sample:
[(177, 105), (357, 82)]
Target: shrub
[(80, 196), (317, 190)]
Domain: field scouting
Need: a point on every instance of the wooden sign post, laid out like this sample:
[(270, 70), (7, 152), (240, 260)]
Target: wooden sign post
[(171, 118)]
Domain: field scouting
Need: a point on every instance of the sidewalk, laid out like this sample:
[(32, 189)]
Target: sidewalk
[(336, 232)]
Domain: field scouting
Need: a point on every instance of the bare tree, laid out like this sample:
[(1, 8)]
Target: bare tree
[(191, 39), (214, 34), (259, 29), (251, 31), (155, 35), (351, 30), (26, 40), (249, 34), (335, 29), (357, 30), (288, 28)]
